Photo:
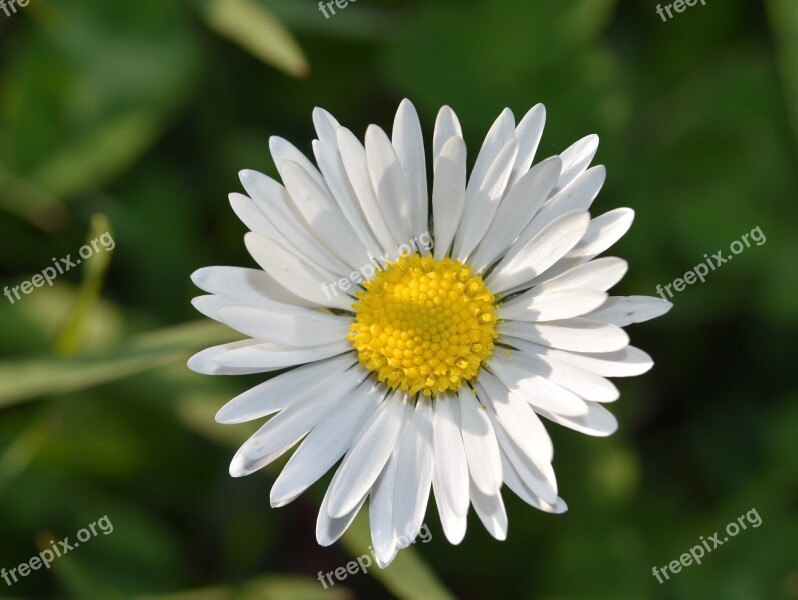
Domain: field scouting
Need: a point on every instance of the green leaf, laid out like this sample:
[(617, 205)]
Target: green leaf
[(255, 29), (31, 203), (73, 335), (783, 16), (99, 155), (88, 90), (24, 380), (268, 587), (21, 453)]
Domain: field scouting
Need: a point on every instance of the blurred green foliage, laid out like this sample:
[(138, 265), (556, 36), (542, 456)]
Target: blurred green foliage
[(142, 113)]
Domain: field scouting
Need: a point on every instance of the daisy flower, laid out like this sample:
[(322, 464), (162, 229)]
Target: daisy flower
[(422, 349)]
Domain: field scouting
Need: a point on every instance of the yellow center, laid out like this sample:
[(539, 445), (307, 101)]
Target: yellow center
[(424, 325)]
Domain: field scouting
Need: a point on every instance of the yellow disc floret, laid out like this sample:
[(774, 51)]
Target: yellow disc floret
[(424, 325)]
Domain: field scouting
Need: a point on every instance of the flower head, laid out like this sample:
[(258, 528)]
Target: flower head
[(421, 350)]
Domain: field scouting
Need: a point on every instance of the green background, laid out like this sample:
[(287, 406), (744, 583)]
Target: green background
[(138, 115)]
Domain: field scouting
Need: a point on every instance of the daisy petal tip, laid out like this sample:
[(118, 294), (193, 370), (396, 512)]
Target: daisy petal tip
[(610, 430), (323, 541), (198, 275), (406, 105), (238, 467), (551, 161), (457, 537), (385, 561), (276, 143), (224, 416), (199, 362), (279, 499), (197, 301), (190, 364)]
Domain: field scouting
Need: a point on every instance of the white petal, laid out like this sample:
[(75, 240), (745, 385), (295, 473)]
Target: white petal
[(390, 184), (278, 392), (326, 126), (580, 381), (268, 355), (454, 525), (284, 151), (294, 274), (577, 334), (286, 428), (626, 310), (530, 382), (353, 155), (542, 305), (446, 127), (448, 194), (211, 305), (602, 233), (542, 251), (329, 529), (277, 206), (518, 420), (576, 158), (383, 535), (499, 135), (598, 421), (385, 560), (514, 482), (332, 167), (491, 512), (204, 362), (251, 285), (528, 133), (326, 443), (539, 478), (579, 195), (248, 212), (413, 474), (479, 443), (628, 362), (323, 215), (365, 461), (516, 211), (600, 274), (409, 144), (450, 458), (292, 326), (482, 202)]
